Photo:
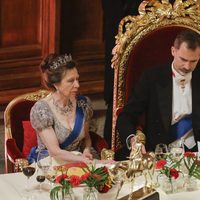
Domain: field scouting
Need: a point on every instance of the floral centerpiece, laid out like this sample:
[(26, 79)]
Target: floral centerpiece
[(191, 170), (188, 165), (192, 164), (93, 177), (170, 168)]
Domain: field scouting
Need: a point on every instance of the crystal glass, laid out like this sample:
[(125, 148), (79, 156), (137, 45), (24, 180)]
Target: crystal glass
[(51, 176), (166, 184), (160, 151), (90, 193), (44, 160), (69, 195), (40, 178), (176, 149), (190, 183), (28, 171)]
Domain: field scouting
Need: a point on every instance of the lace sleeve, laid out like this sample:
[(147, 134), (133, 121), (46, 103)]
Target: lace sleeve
[(41, 116)]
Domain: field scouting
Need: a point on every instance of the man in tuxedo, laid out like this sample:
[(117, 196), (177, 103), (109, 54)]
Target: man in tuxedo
[(169, 97)]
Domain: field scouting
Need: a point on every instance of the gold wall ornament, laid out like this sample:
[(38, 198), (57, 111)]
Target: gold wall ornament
[(153, 15)]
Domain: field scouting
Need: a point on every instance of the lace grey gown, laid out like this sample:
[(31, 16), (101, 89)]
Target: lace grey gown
[(42, 117)]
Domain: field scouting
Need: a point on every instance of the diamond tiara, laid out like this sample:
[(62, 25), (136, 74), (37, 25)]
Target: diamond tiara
[(60, 61)]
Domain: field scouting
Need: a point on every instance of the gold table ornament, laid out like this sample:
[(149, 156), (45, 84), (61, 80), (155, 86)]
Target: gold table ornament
[(138, 164), (148, 194)]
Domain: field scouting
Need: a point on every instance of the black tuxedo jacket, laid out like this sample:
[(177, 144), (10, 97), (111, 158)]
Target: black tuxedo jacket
[(153, 96)]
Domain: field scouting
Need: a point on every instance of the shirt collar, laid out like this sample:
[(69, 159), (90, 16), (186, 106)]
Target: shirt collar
[(181, 79)]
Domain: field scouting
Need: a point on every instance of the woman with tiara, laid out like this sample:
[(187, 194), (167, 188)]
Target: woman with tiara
[(61, 119)]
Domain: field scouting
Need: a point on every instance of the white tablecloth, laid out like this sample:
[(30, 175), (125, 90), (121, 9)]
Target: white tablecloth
[(12, 187)]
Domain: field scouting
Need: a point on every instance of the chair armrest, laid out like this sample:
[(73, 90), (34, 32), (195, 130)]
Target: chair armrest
[(13, 151), (98, 142)]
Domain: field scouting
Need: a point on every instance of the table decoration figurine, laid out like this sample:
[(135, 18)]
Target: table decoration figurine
[(107, 154), (138, 164)]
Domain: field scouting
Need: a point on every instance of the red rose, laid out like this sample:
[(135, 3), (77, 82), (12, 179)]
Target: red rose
[(160, 164), (174, 173), (189, 154)]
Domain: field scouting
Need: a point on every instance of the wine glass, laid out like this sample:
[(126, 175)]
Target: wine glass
[(161, 151), (44, 160), (51, 176), (176, 149), (40, 178), (28, 171)]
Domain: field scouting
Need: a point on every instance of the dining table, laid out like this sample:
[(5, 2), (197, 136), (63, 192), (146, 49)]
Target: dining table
[(13, 187)]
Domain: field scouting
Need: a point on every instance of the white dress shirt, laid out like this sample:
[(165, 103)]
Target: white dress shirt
[(182, 103), (182, 95)]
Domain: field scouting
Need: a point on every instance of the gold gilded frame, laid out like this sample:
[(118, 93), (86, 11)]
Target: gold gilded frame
[(153, 15), (32, 96)]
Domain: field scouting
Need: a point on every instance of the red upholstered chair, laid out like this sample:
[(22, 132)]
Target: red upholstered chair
[(20, 137), (145, 41)]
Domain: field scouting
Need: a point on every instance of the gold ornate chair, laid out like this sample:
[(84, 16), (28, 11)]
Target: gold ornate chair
[(20, 137), (16, 117), (145, 41)]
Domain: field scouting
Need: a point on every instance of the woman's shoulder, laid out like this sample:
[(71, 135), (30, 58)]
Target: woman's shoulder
[(41, 104), (83, 100), (41, 115), (85, 103)]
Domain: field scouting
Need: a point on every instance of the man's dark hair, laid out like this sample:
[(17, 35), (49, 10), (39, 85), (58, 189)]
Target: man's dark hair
[(191, 38)]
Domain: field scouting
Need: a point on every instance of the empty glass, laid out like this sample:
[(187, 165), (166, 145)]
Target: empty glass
[(176, 149), (51, 176), (161, 151), (44, 161)]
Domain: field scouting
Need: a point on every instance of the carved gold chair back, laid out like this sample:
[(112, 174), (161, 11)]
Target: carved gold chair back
[(17, 112), (144, 41)]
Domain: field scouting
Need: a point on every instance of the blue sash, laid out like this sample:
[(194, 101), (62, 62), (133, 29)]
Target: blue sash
[(32, 155), (181, 127), (77, 126), (73, 135)]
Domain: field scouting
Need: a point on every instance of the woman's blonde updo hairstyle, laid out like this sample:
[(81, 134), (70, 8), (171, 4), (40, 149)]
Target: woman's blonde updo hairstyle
[(54, 67)]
